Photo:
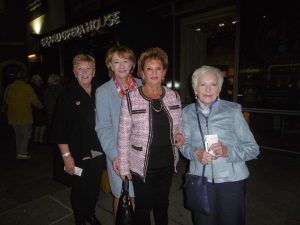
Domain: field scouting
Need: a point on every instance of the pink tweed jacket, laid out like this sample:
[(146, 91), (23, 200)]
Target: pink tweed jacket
[(135, 129)]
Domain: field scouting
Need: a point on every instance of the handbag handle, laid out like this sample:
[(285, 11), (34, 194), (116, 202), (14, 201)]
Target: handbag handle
[(126, 185), (201, 133)]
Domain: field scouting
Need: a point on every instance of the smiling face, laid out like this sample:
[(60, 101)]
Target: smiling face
[(153, 72), (207, 88), (120, 66), (84, 72)]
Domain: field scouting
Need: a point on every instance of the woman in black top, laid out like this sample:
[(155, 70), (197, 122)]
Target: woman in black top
[(74, 132)]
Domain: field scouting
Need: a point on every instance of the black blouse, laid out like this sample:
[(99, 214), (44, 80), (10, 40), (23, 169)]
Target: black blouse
[(161, 151), (74, 121)]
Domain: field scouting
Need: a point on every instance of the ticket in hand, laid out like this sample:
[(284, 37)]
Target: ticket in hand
[(78, 171), (210, 139)]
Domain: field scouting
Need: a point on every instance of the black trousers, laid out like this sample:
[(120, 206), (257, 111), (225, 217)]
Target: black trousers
[(227, 204), (153, 194), (85, 188)]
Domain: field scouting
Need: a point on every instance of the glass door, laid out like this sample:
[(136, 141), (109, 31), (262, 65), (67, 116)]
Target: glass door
[(208, 38)]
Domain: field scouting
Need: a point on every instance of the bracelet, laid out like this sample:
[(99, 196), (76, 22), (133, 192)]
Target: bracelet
[(66, 154)]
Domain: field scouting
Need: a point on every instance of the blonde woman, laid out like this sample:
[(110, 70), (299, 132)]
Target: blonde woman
[(120, 61)]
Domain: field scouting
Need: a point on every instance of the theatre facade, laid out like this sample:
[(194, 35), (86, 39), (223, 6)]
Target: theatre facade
[(255, 43)]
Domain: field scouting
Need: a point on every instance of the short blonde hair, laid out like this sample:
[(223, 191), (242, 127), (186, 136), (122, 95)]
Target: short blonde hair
[(207, 69), (153, 53), (122, 51), (83, 58)]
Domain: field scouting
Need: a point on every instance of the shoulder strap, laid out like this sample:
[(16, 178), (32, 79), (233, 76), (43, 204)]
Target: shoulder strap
[(201, 132)]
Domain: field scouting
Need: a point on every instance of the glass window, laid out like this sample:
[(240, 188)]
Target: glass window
[(208, 38), (269, 61)]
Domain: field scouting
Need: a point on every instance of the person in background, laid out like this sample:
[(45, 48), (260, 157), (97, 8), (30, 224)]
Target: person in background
[(39, 115), (52, 93), (225, 160), (74, 132), (20, 97), (150, 131), (120, 61)]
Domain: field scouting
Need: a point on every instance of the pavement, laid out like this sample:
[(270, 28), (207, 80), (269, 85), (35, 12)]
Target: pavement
[(30, 196)]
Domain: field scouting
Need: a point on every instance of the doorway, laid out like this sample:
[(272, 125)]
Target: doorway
[(208, 38)]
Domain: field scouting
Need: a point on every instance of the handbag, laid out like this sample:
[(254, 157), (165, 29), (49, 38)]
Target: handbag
[(195, 190), (124, 214), (196, 197)]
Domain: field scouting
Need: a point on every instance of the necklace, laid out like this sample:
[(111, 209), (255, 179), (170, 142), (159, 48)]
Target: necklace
[(157, 110), (152, 94)]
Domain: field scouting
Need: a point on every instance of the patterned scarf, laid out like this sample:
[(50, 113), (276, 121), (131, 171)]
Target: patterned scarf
[(131, 82)]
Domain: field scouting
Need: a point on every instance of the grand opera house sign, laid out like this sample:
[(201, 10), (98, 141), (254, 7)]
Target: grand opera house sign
[(108, 20)]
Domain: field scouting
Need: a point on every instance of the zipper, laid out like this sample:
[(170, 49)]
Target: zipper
[(212, 165)]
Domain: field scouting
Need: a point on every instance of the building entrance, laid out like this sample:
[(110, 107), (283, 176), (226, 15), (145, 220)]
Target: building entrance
[(208, 38)]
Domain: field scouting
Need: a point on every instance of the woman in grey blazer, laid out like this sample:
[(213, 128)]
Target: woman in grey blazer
[(120, 61), (225, 159)]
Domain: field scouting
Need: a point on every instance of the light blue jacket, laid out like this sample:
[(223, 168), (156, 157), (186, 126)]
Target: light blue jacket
[(108, 108), (108, 104), (226, 120)]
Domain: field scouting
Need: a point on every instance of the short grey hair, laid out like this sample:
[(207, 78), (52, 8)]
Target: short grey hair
[(207, 69)]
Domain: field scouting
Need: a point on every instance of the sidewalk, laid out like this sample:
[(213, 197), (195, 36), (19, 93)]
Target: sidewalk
[(29, 195)]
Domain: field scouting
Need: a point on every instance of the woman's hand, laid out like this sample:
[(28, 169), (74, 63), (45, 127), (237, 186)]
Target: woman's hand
[(115, 165), (179, 140), (127, 175), (69, 164), (204, 157), (219, 150)]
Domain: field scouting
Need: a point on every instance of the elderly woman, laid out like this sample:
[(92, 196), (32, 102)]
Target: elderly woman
[(149, 132), (74, 132), (225, 160), (120, 61)]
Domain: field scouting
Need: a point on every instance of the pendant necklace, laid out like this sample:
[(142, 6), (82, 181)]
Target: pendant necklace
[(157, 110)]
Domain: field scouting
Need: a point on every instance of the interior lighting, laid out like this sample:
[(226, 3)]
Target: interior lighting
[(233, 22), (33, 57), (221, 24), (36, 25), (176, 85), (198, 29), (169, 84)]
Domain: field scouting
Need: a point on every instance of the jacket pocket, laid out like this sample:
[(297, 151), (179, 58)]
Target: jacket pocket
[(138, 111), (137, 148), (172, 107)]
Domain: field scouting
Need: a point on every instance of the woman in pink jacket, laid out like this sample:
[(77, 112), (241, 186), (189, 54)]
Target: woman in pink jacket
[(150, 131)]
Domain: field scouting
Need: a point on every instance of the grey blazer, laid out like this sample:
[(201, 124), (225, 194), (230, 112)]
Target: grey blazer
[(227, 121)]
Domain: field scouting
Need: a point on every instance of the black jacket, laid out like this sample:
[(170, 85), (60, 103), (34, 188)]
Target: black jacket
[(74, 121)]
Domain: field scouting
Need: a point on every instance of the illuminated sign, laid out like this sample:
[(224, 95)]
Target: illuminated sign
[(108, 20)]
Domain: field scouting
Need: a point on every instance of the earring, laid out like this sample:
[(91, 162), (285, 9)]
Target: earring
[(196, 96)]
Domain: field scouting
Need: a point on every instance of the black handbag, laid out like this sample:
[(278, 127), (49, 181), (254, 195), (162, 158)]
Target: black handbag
[(124, 214), (196, 197), (195, 191)]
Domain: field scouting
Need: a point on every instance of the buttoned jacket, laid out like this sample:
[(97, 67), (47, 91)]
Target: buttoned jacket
[(226, 120), (136, 130)]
